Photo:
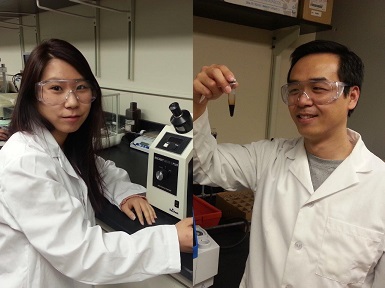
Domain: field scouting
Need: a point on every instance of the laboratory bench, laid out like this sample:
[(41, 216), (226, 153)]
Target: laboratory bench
[(111, 217), (231, 235)]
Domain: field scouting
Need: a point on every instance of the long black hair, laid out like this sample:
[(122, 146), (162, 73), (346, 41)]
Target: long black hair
[(80, 147)]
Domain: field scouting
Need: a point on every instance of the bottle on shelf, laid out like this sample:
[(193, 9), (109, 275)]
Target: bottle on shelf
[(133, 115)]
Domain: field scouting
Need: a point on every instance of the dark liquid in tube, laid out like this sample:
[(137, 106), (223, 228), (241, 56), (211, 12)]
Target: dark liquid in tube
[(231, 108)]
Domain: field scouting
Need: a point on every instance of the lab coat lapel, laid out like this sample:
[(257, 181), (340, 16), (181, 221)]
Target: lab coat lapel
[(346, 174), (53, 148), (300, 165)]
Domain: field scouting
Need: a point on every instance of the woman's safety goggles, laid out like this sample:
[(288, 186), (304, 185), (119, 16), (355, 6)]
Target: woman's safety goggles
[(56, 92)]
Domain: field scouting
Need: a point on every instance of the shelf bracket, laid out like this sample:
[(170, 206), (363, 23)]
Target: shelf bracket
[(17, 24), (15, 13), (282, 39), (130, 36), (62, 12), (96, 20), (96, 39), (9, 28), (87, 3)]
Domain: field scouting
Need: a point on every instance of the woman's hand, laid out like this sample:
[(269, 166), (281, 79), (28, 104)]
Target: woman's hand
[(185, 234), (141, 207), (4, 135)]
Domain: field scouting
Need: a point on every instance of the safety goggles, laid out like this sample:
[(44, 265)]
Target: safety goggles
[(321, 92), (56, 92)]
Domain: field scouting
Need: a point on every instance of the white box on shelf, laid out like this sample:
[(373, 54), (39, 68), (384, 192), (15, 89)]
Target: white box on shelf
[(284, 7)]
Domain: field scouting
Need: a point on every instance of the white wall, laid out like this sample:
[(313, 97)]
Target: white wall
[(283, 126), (235, 46), (247, 52), (162, 50)]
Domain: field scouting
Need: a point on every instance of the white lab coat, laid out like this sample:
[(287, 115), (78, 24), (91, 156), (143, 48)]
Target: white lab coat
[(301, 238), (48, 236)]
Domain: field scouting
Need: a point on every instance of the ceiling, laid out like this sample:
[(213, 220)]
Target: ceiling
[(19, 7)]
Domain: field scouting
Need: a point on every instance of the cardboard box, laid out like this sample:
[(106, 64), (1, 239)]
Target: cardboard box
[(319, 11), (236, 204), (284, 7)]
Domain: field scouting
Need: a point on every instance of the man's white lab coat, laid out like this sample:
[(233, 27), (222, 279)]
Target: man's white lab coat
[(301, 238), (48, 236)]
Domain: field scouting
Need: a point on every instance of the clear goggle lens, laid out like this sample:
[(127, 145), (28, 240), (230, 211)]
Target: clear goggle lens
[(320, 92), (56, 92)]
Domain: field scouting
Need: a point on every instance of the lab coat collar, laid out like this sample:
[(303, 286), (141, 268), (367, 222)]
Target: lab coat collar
[(46, 140), (345, 174), (300, 166), (360, 157)]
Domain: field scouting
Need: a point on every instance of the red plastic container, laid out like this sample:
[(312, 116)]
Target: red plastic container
[(205, 214)]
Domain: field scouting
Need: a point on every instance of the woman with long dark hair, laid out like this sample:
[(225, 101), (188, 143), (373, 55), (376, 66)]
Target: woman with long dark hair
[(52, 182)]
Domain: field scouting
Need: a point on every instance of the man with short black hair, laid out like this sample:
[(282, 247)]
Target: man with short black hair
[(319, 211)]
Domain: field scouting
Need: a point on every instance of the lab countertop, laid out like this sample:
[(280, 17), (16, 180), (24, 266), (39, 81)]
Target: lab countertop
[(135, 163)]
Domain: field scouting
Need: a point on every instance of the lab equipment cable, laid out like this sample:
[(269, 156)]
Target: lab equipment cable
[(130, 136), (236, 222)]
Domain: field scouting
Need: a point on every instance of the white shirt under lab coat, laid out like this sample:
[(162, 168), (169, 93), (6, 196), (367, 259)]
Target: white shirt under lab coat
[(301, 238), (48, 236)]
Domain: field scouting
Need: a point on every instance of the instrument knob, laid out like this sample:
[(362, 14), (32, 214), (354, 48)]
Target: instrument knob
[(161, 174)]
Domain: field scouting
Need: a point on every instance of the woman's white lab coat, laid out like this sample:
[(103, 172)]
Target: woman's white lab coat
[(301, 238), (48, 236)]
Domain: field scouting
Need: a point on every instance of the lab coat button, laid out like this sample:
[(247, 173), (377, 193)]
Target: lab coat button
[(310, 205), (298, 245)]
